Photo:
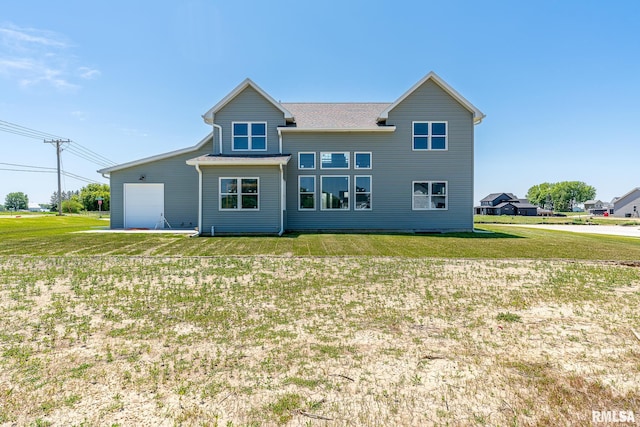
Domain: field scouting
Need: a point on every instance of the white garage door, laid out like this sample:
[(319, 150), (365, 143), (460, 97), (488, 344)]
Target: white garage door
[(144, 206)]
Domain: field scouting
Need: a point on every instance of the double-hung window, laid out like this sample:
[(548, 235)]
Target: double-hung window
[(239, 193), (363, 192), (334, 160), (429, 195), (335, 192), (306, 192), (250, 136), (430, 135)]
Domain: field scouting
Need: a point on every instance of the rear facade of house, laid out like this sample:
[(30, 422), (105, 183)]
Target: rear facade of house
[(269, 167)]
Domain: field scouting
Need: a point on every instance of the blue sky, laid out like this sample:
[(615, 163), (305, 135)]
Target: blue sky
[(558, 81)]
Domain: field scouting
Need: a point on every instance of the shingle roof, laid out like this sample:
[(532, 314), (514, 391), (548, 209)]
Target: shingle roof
[(336, 115)]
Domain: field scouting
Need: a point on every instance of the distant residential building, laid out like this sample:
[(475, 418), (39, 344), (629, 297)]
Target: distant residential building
[(628, 206), (593, 204), (505, 204)]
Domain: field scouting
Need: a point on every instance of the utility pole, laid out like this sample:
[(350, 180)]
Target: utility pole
[(58, 143)]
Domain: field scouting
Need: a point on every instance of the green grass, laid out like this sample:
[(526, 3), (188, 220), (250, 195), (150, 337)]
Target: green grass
[(568, 218), (515, 326), (54, 235)]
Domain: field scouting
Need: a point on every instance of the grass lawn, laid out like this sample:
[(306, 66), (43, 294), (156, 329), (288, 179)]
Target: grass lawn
[(517, 327)]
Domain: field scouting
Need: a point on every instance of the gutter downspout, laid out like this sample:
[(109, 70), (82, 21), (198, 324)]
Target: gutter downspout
[(280, 141), (219, 136), (199, 199), (282, 202)]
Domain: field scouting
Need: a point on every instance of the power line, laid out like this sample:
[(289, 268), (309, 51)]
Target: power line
[(25, 131), (74, 147), (26, 166), (53, 170)]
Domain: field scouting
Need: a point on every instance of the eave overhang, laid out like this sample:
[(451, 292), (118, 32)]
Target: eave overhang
[(227, 160)]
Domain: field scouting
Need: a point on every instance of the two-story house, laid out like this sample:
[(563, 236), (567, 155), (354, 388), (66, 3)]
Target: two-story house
[(505, 204), (268, 167)]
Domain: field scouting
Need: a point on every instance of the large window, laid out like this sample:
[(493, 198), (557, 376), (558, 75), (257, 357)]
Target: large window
[(334, 160), (429, 135), (363, 192), (306, 192), (429, 195), (335, 192), (239, 193), (249, 136), (362, 160), (306, 160)]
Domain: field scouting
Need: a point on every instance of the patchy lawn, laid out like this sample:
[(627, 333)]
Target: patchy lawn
[(266, 340)]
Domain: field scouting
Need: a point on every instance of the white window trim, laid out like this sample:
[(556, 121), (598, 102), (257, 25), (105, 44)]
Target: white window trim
[(429, 123), (347, 155), (446, 196), (355, 193), (355, 164), (249, 136), (314, 160), (239, 193), (315, 199), (348, 189)]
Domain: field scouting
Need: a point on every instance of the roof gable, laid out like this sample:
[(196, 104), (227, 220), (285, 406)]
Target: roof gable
[(477, 114), (209, 115), (623, 199)]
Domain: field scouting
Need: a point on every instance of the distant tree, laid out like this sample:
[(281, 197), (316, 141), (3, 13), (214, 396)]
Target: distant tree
[(89, 196), (66, 195), (540, 195), (560, 196), (72, 205), (16, 201), (1, 208)]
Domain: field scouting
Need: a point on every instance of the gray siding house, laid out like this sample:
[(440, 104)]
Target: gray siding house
[(268, 167), (628, 206)]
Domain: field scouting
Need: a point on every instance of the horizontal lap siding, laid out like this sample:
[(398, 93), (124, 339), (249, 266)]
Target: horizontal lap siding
[(395, 166), (180, 188), (266, 219), (249, 106)]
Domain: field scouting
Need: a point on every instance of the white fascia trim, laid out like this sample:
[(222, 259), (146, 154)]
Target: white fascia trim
[(336, 130), (240, 161), (209, 115), (477, 114), (157, 157)]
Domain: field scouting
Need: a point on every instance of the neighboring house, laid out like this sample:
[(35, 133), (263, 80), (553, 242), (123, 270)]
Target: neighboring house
[(505, 204), (268, 167), (628, 206), (593, 204), (34, 207)]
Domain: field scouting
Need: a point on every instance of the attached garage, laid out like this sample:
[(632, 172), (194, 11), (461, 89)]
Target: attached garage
[(144, 205)]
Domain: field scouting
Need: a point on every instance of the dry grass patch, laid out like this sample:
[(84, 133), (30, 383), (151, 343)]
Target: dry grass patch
[(315, 341)]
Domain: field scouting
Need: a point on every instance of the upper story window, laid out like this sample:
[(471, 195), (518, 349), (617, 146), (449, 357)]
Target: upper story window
[(430, 135), (249, 136), (362, 160), (334, 160), (306, 160)]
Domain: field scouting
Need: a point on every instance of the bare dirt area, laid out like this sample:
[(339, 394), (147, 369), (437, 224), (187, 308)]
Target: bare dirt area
[(236, 341)]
